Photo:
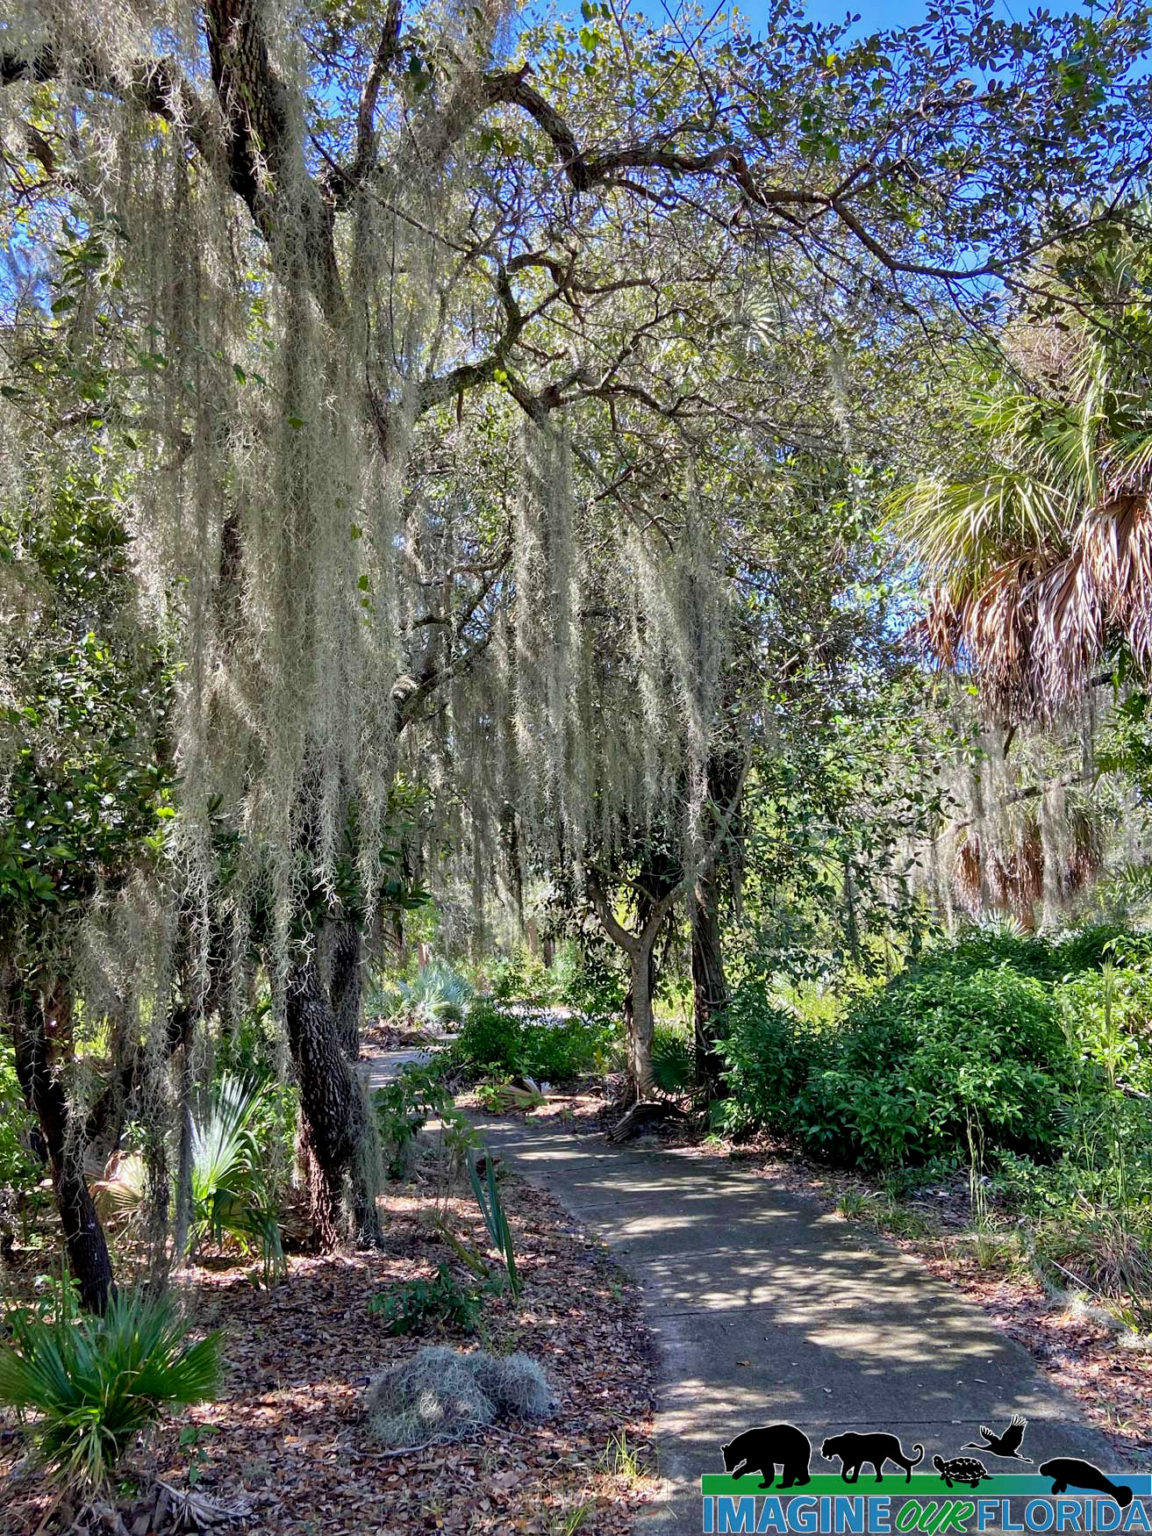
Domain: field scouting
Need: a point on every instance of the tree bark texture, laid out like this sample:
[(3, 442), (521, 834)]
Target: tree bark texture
[(336, 1136), (344, 953), (42, 1030), (709, 983)]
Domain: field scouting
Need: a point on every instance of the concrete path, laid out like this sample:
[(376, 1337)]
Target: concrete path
[(766, 1308)]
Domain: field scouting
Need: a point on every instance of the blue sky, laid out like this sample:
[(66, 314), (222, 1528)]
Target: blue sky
[(873, 13)]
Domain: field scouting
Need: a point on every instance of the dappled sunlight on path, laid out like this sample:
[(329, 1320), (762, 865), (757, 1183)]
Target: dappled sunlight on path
[(766, 1307)]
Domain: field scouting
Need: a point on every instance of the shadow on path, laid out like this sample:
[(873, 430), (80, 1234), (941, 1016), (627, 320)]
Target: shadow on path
[(766, 1308)]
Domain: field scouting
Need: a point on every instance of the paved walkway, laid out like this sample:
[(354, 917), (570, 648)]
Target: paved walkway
[(766, 1308)]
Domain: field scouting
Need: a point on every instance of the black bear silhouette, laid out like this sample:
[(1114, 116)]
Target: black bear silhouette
[(1066, 1472), (1007, 1444), (763, 1450), (854, 1450)]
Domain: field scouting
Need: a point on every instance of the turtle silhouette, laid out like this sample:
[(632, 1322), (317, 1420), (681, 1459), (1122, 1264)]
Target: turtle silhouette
[(1007, 1444), (962, 1469)]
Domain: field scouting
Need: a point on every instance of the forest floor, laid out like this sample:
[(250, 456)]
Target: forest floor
[(287, 1438), (1081, 1349)]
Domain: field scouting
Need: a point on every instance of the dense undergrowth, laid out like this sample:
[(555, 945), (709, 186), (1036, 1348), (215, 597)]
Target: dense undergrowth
[(1017, 1064), (1021, 1062)]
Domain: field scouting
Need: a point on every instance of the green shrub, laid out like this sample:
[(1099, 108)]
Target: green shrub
[(933, 1054), (494, 1043), (1107, 1013), (989, 946), (83, 1388), (561, 1051), (419, 1305), (403, 1106), (489, 1042), (767, 1055), (911, 1070), (520, 977)]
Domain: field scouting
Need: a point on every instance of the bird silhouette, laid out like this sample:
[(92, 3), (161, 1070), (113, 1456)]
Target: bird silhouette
[(1007, 1444)]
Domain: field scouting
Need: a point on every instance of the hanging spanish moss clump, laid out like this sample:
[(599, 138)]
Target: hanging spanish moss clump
[(585, 726), (261, 362), (1034, 831), (547, 598), (265, 515)]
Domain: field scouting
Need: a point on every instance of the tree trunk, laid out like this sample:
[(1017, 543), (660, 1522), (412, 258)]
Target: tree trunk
[(709, 984), (183, 1225), (640, 1022), (336, 1136), (344, 952), (42, 1038)]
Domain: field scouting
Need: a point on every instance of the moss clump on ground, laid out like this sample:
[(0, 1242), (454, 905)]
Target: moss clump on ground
[(445, 1394)]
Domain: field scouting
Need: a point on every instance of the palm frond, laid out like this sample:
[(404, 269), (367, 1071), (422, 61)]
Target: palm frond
[(959, 532), (84, 1388)]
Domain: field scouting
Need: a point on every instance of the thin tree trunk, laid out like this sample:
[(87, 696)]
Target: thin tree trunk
[(183, 1224), (709, 983), (42, 1038), (641, 1023)]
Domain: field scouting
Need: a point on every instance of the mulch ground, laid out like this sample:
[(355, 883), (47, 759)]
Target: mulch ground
[(289, 1434)]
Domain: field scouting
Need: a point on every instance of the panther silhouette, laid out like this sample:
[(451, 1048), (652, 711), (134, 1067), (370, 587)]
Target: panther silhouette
[(854, 1450)]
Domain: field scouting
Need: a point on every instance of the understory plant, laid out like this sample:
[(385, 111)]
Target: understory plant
[(910, 1068), (487, 1192), (672, 1063), (403, 1107), (418, 1305), (435, 996), (497, 1043), (232, 1195), (83, 1387)]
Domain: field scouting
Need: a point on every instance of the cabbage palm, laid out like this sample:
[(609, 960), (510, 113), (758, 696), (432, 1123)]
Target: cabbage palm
[(1038, 563)]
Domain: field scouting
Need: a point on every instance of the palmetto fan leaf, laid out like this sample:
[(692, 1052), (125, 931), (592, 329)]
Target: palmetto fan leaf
[(962, 531), (85, 1388), (222, 1142), (231, 1193)]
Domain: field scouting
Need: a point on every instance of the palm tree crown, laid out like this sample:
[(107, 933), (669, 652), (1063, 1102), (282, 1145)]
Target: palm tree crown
[(1038, 563)]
